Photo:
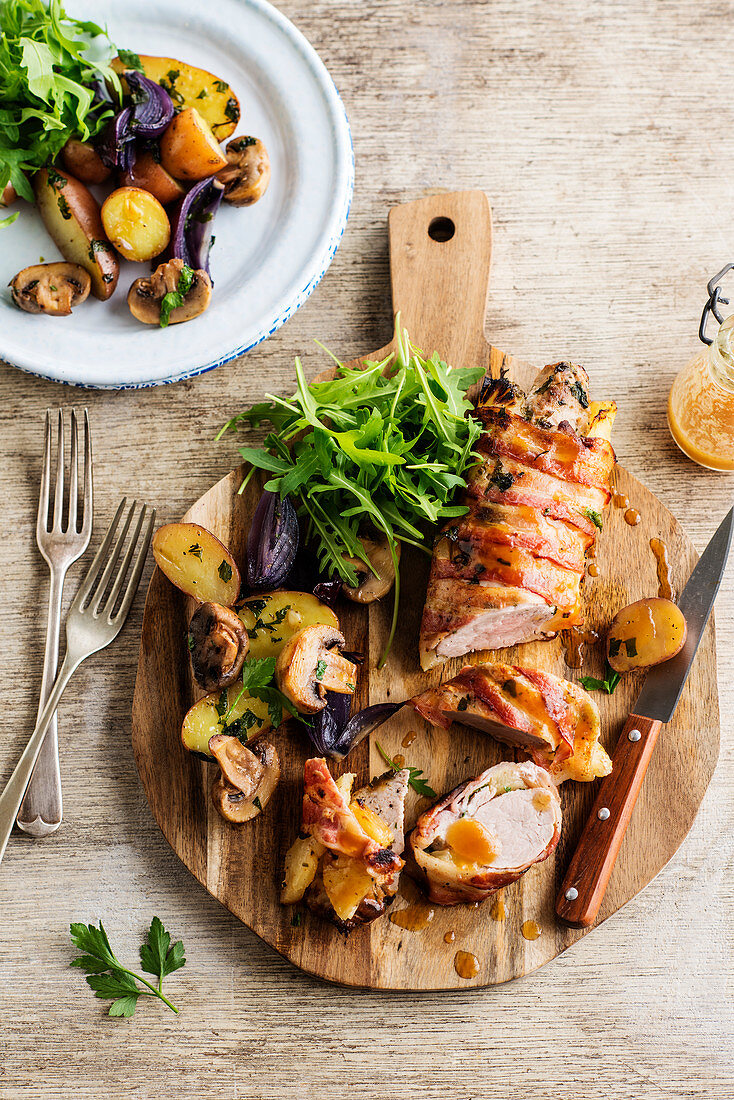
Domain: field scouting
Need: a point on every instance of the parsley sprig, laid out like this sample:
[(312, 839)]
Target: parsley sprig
[(110, 979), (175, 298), (420, 786), (387, 445), (47, 83), (608, 684), (258, 680)]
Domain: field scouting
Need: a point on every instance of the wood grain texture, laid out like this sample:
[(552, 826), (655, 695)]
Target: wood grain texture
[(592, 130)]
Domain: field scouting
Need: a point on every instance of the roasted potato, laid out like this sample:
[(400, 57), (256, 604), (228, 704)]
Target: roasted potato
[(71, 215), (301, 864), (204, 719), (192, 87), (83, 162), (149, 175), (136, 223), (274, 617), (347, 883), (189, 150), (196, 562), (645, 633)]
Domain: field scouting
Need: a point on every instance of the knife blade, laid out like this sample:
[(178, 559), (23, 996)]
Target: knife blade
[(664, 683), (591, 865)]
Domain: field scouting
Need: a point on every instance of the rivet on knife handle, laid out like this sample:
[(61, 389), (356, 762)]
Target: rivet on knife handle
[(585, 883)]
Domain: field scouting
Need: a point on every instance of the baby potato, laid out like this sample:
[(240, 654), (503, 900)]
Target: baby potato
[(197, 562), (189, 86), (274, 617), (136, 223), (71, 215), (189, 150), (84, 162), (203, 720), (149, 175), (645, 633)]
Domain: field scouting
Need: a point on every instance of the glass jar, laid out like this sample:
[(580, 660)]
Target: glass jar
[(701, 403)]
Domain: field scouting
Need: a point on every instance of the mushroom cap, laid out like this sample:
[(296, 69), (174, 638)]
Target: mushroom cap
[(310, 663), (372, 587), (52, 289), (247, 174), (145, 295), (247, 777), (218, 644)]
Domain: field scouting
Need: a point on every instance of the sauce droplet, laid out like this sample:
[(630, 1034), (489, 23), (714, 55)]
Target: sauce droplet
[(530, 929), (632, 516), (574, 639), (497, 912), (593, 570), (408, 740), (660, 550), (620, 500), (414, 918), (399, 760), (449, 937), (466, 964)]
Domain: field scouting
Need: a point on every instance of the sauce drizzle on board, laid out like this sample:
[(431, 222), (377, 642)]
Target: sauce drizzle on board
[(414, 918), (449, 936), (632, 517), (408, 739), (665, 588), (530, 929), (593, 570), (498, 912), (574, 639), (620, 500), (466, 965)]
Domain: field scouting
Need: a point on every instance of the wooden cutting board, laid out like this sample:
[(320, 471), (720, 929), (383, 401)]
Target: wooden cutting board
[(440, 250)]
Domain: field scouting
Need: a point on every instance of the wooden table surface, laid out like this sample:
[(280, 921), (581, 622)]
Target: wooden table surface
[(602, 136)]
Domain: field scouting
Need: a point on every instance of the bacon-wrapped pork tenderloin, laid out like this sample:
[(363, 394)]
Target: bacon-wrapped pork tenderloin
[(346, 859), (510, 570), (486, 833), (555, 721)]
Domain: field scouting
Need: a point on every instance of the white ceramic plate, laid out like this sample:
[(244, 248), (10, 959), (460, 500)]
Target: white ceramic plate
[(266, 259)]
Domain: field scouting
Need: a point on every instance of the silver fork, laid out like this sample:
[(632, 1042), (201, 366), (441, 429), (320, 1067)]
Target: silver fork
[(92, 623), (41, 810)]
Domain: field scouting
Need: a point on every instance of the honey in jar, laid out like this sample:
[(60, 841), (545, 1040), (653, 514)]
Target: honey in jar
[(701, 403)]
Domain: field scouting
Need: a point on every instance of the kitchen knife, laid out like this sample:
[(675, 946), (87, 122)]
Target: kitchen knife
[(588, 873)]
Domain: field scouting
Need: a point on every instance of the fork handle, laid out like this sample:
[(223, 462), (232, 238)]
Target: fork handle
[(12, 796), (41, 810)]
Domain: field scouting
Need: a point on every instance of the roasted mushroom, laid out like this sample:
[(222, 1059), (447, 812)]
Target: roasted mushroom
[(9, 195), (247, 778), (218, 644), (310, 664), (146, 295), (247, 175), (50, 288), (372, 586)]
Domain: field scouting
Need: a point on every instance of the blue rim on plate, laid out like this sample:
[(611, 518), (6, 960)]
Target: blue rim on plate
[(273, 61)]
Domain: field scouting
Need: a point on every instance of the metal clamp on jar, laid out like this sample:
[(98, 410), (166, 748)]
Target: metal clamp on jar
[(701, 402)]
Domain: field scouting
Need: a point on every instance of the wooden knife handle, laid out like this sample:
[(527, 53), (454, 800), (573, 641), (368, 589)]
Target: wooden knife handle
[(588, 873)]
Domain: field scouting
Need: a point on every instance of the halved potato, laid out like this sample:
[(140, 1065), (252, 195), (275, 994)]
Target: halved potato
[(71, 215), (152, 176), (301, 864), (136, 223), (192, 87), (645, 633), (189, 149), (273, 618), (206, 718), (347, 883), (83, 161), (197, 562)]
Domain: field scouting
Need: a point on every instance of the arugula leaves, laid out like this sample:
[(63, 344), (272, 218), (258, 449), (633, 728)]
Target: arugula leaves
[(50, 87), (608, 684), (387, 445), (110, 979), (420, 786)]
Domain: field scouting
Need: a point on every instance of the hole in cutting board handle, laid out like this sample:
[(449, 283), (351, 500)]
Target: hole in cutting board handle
[(441, 229)]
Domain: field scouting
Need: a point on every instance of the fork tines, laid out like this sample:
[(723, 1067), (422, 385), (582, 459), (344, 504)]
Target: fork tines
[(90, 599), (55, 524)]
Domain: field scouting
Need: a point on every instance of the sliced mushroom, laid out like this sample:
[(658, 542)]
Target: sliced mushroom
[(247, 778), (145, 295), (310, 664), (50, 288), (218, 643), (247, 175), (9, 195), (372, 586)]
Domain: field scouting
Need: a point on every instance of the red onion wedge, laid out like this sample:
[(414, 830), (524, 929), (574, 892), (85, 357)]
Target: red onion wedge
[(152, 108), (335, 734), (191, 224), (272, 542)]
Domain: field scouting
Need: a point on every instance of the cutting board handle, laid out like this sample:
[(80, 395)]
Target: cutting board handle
[(440, 256)]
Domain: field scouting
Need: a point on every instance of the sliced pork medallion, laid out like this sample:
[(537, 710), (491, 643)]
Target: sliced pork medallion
[(346, 859), (486, 833), (553, 720), (510, 570)]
